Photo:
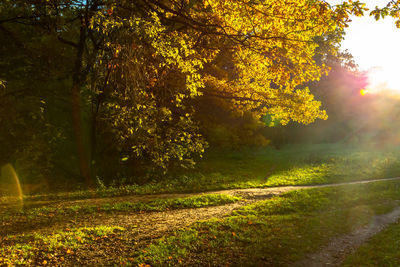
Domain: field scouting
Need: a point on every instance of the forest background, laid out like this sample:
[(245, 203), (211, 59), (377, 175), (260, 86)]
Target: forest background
[(99, 92)]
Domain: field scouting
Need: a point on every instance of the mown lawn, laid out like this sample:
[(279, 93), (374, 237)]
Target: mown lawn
[(52, 249), (61, 244), (266, 167), (299, 165), (381, 250), (198, 201), (274, 232)]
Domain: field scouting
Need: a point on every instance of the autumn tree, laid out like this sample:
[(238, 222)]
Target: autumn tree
[(391, 9), (134, 68)]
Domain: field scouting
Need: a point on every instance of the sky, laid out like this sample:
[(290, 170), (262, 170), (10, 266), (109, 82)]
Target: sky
[(375, 46)]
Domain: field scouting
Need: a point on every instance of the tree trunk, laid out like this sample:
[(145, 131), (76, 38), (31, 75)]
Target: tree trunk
[(77, 114), (83, 155)]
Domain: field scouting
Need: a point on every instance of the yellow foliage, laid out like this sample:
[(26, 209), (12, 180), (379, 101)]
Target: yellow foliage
[(162, 53)]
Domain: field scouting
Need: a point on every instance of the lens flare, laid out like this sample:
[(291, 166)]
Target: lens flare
[(8, 173), (363, 92)]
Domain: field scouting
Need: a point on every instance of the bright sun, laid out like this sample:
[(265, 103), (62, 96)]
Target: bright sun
[(375, 48), (381, 79)]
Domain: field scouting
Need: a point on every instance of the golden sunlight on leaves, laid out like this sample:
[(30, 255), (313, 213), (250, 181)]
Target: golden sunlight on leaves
[(107, 108)]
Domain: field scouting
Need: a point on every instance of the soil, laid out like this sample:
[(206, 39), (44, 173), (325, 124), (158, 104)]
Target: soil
[(142, 227), (250, 193)]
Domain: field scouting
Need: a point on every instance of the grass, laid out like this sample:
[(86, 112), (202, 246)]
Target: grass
[(381, 250), (274, 232), (199, 201), (266, 167), (301, 165), (36, 249)]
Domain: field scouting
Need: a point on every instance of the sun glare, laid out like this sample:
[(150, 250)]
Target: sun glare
[(374, 46), (383, 79), (363, 92)]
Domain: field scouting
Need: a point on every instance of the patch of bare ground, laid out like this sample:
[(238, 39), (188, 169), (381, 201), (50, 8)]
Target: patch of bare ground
[(167, 218), (142, 227), (247, 193), (47, 224), (334, 253)]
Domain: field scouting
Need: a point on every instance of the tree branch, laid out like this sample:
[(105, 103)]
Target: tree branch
[(61, 39)]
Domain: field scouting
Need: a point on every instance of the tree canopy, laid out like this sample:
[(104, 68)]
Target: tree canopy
[(125, 76)]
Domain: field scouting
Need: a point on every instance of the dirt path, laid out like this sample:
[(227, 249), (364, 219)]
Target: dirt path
[(148, 222), (252, 193), (336, 251), (170, 218), (143, 227)]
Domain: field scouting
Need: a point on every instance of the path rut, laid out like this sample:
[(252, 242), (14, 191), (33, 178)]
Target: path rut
[(252, 193), (142, 227), (334, 253)]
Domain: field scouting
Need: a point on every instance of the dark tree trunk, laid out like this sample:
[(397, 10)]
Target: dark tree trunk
[(77, 114)]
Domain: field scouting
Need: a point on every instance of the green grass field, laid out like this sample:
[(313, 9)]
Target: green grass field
[(300, 165), (273, 232), (266, 167), (382, 250), (204, 200)]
